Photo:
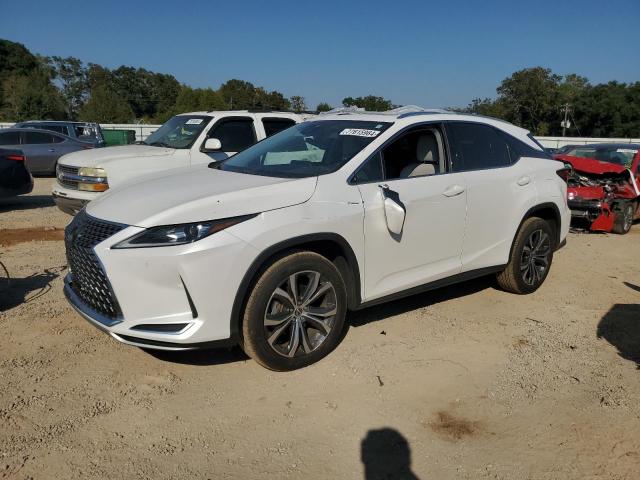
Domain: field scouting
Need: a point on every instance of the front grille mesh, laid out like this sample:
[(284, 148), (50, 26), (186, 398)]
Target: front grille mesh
[(64, 181), (89, 281)]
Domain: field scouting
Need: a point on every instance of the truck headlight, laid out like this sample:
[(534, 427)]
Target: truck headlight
[(168, 235), (94, 179)]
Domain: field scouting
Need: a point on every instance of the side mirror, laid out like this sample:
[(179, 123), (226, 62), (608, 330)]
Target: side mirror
[(212, 145), (394, 211)]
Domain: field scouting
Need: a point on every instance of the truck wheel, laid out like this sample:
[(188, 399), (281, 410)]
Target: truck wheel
[(295, 312), (624, 218), (531, 257)]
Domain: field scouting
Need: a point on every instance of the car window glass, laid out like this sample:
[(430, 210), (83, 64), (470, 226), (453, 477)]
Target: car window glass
[(371, 170), (414, 154), (35, 138), (9, 138), (475, 147), (275, 125), (235, 135), (54, 128)]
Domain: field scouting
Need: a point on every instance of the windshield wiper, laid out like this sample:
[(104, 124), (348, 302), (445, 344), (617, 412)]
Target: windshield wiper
[(158, 144)]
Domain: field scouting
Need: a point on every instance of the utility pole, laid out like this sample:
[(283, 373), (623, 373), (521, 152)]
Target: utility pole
[(566, 109)]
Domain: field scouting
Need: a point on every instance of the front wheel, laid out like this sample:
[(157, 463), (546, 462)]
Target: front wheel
[(295, 312), (531, 257), (624, 218)]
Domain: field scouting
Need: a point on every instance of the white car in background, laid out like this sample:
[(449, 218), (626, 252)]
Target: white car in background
[(188, 139), (272, 247)]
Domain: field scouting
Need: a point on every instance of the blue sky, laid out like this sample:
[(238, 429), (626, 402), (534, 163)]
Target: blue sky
[(430, 53)]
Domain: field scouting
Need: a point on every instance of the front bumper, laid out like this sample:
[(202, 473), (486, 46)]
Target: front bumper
[(589, 209), (169, 298), (68, 205), (106, 325)]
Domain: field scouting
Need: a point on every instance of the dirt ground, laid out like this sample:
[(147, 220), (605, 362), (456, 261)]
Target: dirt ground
[(465, 382)]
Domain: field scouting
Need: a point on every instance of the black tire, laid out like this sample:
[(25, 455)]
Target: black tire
[(624, 217), (318, 325), (526, 272)]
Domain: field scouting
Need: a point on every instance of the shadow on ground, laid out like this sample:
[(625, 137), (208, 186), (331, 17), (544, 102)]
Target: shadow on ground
[(206, 357), (24, 290), (386, 454), (621, 328), (26, 202), (421, 300)]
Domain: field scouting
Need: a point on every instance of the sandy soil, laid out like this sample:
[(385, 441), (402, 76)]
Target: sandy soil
[(466, 382)]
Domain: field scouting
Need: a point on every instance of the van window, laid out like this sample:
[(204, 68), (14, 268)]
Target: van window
[(275, 125), (235, 134)]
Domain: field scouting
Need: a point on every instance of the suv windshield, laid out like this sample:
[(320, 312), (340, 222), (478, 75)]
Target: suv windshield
[(306, 150), (178, 132), (619, 155)]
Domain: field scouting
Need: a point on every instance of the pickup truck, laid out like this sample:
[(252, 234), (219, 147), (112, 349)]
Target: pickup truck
[(185, 140)]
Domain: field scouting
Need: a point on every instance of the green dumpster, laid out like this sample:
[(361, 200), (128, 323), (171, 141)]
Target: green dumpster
[(118, 137)]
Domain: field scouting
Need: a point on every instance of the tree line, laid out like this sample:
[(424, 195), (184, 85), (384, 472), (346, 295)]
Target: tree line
[(37, 87)]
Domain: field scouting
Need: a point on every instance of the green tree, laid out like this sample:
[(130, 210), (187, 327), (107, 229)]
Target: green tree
[(370, 103), (297, 104), (106, 106), (72, 77), (531, 98), (197, 99), (31, 97), (323, 107), (238, 94)]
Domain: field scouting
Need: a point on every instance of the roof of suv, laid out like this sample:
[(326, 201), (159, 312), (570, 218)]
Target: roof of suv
[(412, 114), (239, 112)]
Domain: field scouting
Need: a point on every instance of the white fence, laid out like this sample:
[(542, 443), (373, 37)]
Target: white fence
[(143, 131)]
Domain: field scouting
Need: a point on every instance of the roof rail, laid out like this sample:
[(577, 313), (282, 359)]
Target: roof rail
[(343, 111)]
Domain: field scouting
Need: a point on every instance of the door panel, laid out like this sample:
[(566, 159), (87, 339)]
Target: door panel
[(430, 244), (495, 199)]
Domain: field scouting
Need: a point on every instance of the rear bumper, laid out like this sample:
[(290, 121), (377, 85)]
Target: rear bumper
[(13, 192)]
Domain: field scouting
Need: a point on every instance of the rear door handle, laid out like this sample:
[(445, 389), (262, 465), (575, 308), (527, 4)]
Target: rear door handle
[(52, 149), (524, 180), (453, 191)]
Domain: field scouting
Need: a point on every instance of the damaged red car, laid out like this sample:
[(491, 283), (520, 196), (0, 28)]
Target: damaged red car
[(603, 185)]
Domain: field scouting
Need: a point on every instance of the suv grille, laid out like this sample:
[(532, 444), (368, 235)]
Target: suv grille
[(65, 176), (89, 281)]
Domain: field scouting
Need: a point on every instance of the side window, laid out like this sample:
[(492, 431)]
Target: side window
[(54, 128), (476, 147), (370, 171), (235, 135), (417, 153), (10, 138), (275, 125), (35, 138)]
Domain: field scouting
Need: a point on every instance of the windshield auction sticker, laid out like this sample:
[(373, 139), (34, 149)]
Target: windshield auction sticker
[(360, 132), (194, 121)]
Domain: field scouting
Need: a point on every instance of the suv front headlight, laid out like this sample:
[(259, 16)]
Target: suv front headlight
[(94, 179), (168, 235)]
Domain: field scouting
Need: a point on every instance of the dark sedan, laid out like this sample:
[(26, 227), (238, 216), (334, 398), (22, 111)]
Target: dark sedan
[(42, 148), (15, 179)]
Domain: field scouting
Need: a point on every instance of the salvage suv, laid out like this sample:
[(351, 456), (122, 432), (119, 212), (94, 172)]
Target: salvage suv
[(270, 248), (185, 140)]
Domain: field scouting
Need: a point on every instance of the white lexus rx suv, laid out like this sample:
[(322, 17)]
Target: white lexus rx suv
[(271, 248)]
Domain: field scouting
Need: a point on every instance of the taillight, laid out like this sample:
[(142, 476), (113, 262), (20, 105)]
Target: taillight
[(16, 158), (564, 173)]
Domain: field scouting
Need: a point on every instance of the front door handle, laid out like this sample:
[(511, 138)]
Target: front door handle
[(453, 190), (524, 180), (52, 149)]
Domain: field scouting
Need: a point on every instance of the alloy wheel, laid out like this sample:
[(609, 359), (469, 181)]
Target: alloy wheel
[(300, 314), (534, 261)]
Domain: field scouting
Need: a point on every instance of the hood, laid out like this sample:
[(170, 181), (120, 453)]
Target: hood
[(100, 157), (197, 194), (589, 165)]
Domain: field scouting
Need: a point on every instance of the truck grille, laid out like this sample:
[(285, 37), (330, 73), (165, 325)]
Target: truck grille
[(89, 280), (64, 174)]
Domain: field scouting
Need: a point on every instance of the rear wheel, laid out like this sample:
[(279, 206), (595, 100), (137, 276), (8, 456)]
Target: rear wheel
[(624, 218), (530, 259), (295, 312)]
